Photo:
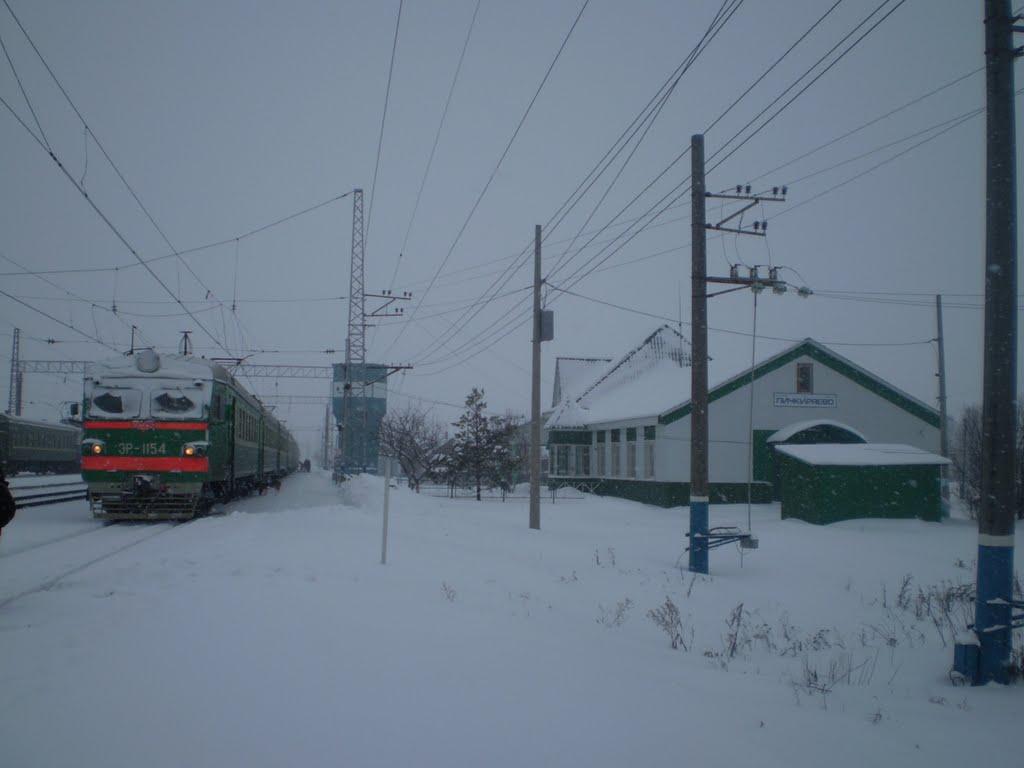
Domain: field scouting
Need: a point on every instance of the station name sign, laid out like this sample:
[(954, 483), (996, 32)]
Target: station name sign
[(805, 400)]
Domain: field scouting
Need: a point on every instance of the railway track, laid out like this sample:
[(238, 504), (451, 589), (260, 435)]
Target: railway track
[(50, 581), (44, 494)]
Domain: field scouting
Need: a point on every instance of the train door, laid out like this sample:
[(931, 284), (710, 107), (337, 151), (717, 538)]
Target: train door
[(232, 442)]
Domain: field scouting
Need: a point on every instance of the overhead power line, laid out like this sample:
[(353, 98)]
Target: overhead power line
[(725, 12), (494, 171), (383, 119), (679, 190), (675, 320)]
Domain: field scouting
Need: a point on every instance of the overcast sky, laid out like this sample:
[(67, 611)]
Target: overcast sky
[(227, 116)]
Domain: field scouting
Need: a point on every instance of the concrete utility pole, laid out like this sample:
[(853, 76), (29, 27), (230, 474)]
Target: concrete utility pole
[(699, 365), (994, 604), (701, 540), (14, 393), (535, 390), (943, 421)]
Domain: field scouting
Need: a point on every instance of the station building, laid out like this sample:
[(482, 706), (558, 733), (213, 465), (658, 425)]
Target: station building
[(626, 432)]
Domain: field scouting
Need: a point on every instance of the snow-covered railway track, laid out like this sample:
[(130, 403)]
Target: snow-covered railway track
[(16, 550), (21, 576)]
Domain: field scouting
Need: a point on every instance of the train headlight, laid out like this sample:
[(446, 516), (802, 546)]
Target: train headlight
[(196, 449), (93, 447)]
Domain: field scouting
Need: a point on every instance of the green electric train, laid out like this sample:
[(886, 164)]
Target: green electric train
[(167, 436)]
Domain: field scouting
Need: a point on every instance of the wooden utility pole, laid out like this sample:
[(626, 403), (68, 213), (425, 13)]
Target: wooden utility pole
[(943, 418), (535, 390), (699, 365)]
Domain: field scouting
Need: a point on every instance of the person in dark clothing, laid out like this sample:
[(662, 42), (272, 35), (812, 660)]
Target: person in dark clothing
[(7, 505)]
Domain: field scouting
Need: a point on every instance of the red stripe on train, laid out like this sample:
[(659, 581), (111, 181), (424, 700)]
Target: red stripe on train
[(146, 463), (181, 426)]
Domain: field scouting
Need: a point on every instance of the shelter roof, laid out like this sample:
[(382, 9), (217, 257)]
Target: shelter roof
[(861, 454), (787, 432)]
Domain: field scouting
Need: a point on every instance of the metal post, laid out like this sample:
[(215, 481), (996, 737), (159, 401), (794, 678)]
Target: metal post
[(996, 516), (535, 393), (387, 493), (943, 421), (14, 393), (699, 367)]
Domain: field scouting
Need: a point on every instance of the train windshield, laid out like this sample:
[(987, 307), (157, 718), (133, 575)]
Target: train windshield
[(177, 403), (115, 403)]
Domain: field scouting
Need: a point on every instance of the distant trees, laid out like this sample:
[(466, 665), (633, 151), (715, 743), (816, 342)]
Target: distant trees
[(413, 438), (483, 451), (965, 452)]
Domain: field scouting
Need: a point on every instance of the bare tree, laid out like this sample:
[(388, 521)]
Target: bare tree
[(966, 456), (412, 437)]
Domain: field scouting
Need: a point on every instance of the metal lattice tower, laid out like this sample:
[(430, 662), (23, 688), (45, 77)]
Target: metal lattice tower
[(14, 393), (356, 348), (355, 342)]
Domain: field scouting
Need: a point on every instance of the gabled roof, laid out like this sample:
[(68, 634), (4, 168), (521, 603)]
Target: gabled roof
[(573, 374), (821, 354), (644, 382)]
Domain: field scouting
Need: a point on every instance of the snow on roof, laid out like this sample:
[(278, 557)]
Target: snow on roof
[(573, 374), (644, 382), (787, 432), (171, 367), (861, 454)]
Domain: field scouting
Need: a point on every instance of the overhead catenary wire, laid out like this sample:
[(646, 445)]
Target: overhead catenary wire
[(186, 251), (110, 224)]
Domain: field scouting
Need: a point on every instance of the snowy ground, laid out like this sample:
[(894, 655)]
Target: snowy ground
[(272, 636)]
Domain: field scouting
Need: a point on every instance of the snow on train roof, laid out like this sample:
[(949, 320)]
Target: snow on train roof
[(861, 454), (170, 367), (35, 423)]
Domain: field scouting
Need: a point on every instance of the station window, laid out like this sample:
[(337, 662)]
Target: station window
[(804, 378), (631, 452), (616, 460), (649, 437)]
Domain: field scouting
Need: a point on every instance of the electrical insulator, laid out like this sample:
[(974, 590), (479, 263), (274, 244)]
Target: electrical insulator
[(783, 191), (775, 191), (764, 226), (748, 189), (757, 225), (734, 272), (739, 189)]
